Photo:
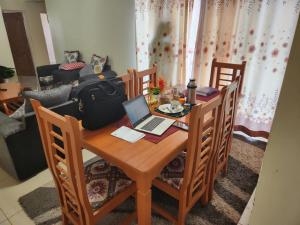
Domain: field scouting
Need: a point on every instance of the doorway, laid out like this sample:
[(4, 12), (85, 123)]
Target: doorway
[(15, 28)]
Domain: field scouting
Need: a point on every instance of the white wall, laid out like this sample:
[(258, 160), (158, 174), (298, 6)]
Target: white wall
[(6, 58), (277, 199), (31, 12), (104, 27)]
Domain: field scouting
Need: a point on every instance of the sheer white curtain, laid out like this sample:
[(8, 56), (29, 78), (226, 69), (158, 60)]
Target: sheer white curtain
[(183, 36)]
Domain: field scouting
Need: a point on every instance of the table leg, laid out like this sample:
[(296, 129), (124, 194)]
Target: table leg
[(144, 203)]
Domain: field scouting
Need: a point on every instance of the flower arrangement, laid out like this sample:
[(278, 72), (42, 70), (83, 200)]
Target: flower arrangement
[(156, 90)]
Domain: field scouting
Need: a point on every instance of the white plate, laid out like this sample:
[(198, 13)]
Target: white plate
[(166, 108)]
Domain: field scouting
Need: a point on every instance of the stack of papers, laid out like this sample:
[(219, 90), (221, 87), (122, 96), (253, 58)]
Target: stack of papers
[(128, 134)]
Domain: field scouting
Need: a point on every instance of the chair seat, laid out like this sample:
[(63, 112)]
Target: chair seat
[(174, 171), (103, 182)]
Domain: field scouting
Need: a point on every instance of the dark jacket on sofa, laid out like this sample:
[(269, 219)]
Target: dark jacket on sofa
[(21, 150)]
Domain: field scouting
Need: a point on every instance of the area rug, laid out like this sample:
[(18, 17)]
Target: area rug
[(230, 196)]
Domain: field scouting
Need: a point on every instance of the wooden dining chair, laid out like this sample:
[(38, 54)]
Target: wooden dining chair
[(128, 81), (87, 192), (229, 107), (223, 74), (187, 176), (224, 141), (143, 79)]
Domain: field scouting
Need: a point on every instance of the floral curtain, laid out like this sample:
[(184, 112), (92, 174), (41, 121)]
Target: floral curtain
[(259, 32), (183, 36), (160, 37)]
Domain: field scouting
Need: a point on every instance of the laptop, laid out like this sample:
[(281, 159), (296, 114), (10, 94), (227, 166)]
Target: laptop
[(141, 118)]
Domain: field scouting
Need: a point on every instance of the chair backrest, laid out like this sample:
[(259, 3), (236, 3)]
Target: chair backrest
[(61, 141), (143, 79), (128, 81), (223, 74), (229, 107), (203, 133)]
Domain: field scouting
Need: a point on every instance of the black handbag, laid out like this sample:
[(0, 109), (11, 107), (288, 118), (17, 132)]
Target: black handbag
[(100, 102)]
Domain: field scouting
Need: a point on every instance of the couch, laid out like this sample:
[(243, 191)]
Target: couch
[(21, 150), (57, 76)]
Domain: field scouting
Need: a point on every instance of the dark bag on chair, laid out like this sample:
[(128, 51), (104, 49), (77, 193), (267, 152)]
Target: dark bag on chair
[(100, 103)]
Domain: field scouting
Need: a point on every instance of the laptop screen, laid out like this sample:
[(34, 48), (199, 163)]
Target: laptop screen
[(136, 109)]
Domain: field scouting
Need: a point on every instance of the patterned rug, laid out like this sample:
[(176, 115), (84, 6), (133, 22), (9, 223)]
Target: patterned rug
[(229, 200)]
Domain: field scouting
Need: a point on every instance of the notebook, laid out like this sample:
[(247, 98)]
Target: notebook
[(128, 134), (206, 91)]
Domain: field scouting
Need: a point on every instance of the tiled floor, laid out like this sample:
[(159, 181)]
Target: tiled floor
[(11, 190)]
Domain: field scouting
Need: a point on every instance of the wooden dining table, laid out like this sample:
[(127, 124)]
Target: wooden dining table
[(141, 161)]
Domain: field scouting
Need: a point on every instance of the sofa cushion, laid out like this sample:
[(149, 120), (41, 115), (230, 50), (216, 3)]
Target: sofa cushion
[(9, 126), (98, 63), (71, 66), (65, 76), (48, 98), (71, 56)]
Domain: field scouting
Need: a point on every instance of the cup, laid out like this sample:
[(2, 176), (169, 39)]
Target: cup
[(174, 105)]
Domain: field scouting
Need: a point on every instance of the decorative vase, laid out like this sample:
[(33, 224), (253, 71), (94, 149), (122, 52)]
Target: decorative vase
[(154, 99)]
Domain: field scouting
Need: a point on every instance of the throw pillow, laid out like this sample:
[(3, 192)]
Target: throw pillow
[(72, 66), (98, 62), (48, 98), (71, 56)]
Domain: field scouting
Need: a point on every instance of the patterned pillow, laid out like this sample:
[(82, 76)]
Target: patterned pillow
[(71, 56), (99, 62), (71, 66)]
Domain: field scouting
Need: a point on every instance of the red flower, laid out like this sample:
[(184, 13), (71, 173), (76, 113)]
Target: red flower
[(251, 48), (167, 48), (275, 52), (235, 51), (161, 84), (286, 59), (205, 50), (224, 42)]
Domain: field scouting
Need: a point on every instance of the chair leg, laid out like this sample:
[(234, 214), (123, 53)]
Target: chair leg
[(181, 215), (65, 220), (224, 169)]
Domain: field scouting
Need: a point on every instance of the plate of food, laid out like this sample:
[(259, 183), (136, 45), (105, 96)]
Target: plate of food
[(171, 108)]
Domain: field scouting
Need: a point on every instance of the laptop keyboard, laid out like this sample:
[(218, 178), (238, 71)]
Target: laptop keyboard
[(152, 124)]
